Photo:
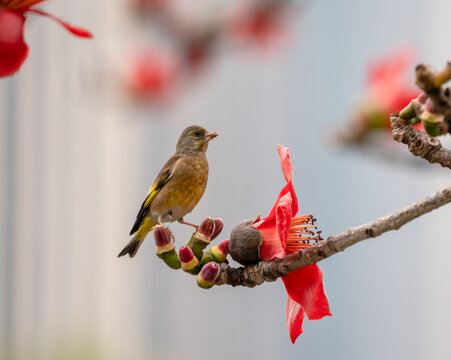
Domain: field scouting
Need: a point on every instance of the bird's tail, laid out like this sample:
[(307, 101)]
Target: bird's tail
[(133, 246)]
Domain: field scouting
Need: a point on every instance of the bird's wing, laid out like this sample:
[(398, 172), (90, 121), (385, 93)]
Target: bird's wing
[(162, 179)]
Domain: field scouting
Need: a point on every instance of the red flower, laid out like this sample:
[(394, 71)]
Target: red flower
[(13, 49), (284, 233)]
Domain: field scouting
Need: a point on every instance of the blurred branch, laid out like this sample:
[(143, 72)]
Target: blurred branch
[(419, 143), (257, 274)]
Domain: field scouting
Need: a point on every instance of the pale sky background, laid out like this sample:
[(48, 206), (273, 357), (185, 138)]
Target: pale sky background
[(77, 158)]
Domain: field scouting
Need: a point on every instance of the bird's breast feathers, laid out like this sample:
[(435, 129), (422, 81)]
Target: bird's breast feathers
[(184, 190)]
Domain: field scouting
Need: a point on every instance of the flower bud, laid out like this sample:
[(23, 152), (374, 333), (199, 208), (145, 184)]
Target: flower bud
[(202, 237), (431, 128), (219, 225), (219, 252), (188, 261), (165, 249), (415, 120), (207, 276), (162, 235), (408, 112), (207, 227)]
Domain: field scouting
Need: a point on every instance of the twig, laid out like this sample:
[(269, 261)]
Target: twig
[(257, 274), (420, 144)]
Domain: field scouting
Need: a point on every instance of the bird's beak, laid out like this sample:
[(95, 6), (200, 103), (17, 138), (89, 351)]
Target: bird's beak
[(210, 135)]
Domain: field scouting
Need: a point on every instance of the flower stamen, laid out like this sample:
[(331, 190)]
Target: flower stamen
[(302, 233)]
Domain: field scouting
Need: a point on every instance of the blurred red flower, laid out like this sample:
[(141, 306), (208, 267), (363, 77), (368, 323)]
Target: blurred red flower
[(284, 233), (261, 22), (151, 76), (387, 90), (13, 49), (387, 86)]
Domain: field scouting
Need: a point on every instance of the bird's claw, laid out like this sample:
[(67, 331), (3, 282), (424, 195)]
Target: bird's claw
[(181, 221)]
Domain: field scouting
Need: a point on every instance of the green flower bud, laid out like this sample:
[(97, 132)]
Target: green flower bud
[(408, 112), (219, 253), (431, 128), (415, 121)]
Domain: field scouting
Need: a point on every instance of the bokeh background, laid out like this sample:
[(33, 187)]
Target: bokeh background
[(77, 157)]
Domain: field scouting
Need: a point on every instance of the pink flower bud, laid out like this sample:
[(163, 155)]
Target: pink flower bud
[(219, 225), (207, 227), (224, 247), (185, 254), (162, 235), (188, 261), (207, 276)]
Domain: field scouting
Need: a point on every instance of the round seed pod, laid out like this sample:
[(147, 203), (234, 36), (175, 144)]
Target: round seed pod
[(244, 244)]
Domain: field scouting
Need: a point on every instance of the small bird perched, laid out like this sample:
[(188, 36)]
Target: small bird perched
[(177, 189)]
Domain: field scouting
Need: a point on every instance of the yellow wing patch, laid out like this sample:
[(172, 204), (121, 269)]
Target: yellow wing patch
[(154, 190)]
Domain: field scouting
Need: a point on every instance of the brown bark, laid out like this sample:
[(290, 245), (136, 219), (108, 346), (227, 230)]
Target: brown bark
[(419, 143)]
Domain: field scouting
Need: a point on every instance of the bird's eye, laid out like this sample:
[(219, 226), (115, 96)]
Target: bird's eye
[(198, 133)]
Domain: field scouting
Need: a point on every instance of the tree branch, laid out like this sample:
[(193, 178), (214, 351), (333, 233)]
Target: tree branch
[(257, 274), (419, 143)]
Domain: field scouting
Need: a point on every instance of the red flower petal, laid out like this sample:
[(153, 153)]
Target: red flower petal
[(283, 218), (305, 286), (275, 235), (295, 317), (285, 162), (13, 50), (288, 188), (77, 31), (287, 170), (271, 246)]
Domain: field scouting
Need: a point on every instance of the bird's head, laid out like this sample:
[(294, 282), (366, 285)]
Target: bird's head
[(194, 139)]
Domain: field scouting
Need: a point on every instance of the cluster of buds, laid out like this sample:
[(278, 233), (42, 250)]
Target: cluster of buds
[(422, 109), (191, 257), (208, 230)]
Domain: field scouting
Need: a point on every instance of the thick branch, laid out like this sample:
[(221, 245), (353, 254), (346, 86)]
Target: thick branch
[(257, 274), (420, 144)]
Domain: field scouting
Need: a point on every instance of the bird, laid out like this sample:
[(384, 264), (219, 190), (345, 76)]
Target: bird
[(177, 188)]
